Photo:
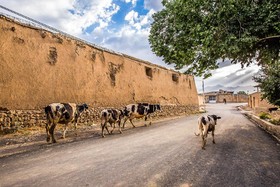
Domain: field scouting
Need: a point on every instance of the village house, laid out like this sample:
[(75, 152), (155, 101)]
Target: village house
[(222, 96), (257, 103)]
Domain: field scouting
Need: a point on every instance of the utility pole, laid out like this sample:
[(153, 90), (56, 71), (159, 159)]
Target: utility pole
[(203, 91), (203, 95)]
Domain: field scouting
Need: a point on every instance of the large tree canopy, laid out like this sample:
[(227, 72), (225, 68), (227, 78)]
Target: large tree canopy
[(194, 34)]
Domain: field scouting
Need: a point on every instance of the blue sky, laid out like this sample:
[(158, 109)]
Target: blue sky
[(122, 26)]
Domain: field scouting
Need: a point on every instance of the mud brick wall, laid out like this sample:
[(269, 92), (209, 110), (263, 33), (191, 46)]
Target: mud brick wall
[(39, 67)]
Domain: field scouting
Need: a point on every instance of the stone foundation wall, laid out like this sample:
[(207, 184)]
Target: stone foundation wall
[(12, 120)]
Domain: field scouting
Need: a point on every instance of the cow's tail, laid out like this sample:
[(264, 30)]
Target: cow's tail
[(103, 117)]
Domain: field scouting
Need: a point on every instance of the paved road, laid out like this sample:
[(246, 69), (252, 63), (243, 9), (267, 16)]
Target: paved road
[(164, 154)]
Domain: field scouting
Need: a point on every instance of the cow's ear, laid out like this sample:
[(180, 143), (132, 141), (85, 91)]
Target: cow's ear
[(86, 106), (218, 117)]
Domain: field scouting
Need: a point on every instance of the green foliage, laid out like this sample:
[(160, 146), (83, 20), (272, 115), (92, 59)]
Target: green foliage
[(194, 34), (264, 115), (242, 92), (275, 121), (269, 82)]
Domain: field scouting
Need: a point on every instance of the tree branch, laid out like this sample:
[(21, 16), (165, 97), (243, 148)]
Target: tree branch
[(270, 37)]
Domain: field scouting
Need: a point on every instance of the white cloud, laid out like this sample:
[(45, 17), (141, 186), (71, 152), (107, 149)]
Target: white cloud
[(139, 22), (86, 14), (70, 16), (230, 76), (131, 17), (153, 4), (227, 70), (133, 2)]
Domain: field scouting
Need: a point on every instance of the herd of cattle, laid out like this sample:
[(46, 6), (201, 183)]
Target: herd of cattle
[(65, 113)]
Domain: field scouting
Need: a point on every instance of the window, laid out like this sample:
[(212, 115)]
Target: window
[(212, 99), (175, 77), (149, 72)]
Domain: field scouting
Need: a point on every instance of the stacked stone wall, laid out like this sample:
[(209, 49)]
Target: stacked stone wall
[(13, 120)]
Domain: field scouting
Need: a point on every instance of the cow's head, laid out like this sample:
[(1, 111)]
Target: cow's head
[(121, 114), (215, 117), (157, 106), (82, 107)]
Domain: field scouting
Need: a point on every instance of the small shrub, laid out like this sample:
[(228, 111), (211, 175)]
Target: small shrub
[(264, 115), (275, 121)]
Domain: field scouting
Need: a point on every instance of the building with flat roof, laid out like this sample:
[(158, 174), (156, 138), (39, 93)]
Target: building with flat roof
[(223, 96)]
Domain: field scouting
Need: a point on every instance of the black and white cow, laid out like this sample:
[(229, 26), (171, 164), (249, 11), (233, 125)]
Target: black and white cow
[(62, 113), (139, 110), (111, 116), (207, 124)]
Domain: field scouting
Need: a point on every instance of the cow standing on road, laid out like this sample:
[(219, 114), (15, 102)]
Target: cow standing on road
[(207, 124), (62, 113), (139, 110)]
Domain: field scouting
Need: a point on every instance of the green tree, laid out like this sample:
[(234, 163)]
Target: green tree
[(194, 34), (242, 92), (269, 82)]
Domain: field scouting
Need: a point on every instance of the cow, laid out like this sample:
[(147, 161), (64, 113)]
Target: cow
[(139, 110), (207, 124), (62, 113), (272, 109), (111, 116)]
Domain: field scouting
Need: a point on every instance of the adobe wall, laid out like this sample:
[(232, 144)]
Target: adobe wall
[(39, 67)]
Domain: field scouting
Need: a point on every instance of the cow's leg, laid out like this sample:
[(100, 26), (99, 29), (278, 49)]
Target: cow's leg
[(204, 136), (213, 137), (102, 129), (203, 141), (75, 125), (52, 132), (146, 117), (103, 123), (113, 127), (47, 130), (145, 121), (131, 122), (120, 129), (125, 119), (107, 129), (64, 131)]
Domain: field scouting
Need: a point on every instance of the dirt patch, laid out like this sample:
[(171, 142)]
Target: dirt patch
[(34, 138)]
